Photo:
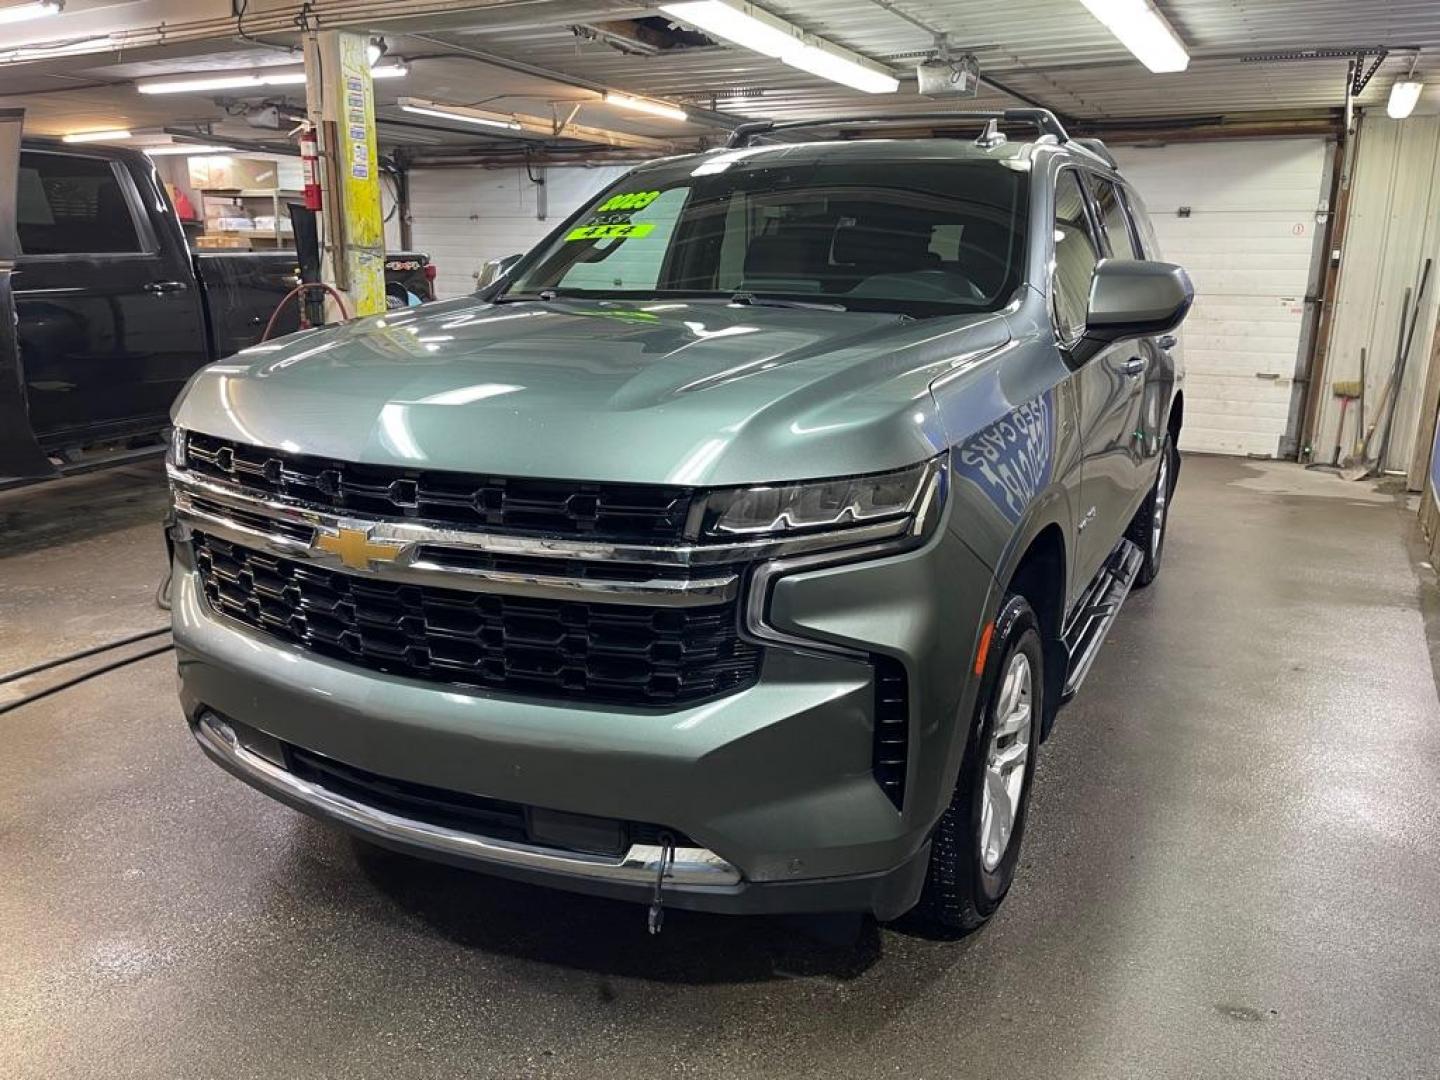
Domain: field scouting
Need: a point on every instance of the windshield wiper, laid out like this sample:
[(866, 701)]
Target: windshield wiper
[(531, 297), (756, 300)]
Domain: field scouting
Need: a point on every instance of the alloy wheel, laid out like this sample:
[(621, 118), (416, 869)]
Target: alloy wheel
[(1005, 760)]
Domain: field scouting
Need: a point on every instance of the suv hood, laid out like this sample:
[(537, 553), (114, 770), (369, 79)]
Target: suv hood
[(691, 393)]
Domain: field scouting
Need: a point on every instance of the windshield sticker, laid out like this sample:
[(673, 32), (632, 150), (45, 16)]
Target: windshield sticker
[(631, 200), (611, 219), (620, 230)]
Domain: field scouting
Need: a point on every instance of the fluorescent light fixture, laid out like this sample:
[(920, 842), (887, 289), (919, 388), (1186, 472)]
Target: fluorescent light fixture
[(1140, 27), (841, 69), (458, 113), (282, 75), (654, 108), (112, 135), (26, 12), (178, 149), (284, 78), (754, 28), (744, 26), (197, 84), (1404, 96)]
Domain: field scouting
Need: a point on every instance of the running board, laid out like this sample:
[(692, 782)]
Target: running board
[(1096, 612)]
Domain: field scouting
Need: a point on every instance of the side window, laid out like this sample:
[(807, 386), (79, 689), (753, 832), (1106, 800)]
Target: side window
[(69, 205), (1076, 255), (1140, 221), (1115, 221), (632, 262)]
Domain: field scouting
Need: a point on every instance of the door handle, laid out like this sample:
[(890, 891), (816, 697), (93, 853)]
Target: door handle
[(1168, 342), (1134, 366), (161, 287)]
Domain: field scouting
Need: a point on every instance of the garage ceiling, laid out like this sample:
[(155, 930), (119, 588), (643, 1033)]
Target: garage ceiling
[(1048, 51)]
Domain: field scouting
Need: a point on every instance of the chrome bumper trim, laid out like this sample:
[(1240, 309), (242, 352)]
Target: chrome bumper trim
[(639, 866)]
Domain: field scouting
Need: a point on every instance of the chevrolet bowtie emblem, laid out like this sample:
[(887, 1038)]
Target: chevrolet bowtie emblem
[(356, 549)]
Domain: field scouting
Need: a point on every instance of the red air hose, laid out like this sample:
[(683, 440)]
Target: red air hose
[(339, 302)]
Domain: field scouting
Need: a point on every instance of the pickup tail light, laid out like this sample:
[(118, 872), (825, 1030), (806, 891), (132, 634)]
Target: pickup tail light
[(430, 271)]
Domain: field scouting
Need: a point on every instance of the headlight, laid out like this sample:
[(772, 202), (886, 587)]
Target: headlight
[(175, 452), (901, 497)]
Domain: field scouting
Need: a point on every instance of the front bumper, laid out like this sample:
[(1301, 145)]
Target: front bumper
[(773, 785)]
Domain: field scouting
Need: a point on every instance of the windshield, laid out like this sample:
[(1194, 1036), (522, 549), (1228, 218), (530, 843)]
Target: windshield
[(920, 238)]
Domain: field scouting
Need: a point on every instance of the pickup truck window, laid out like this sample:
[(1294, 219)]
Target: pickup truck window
[(1076, 255), (72, 205), (931, 238)]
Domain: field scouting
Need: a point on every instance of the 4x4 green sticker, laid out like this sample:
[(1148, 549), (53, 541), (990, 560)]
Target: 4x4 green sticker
[(622, 230)]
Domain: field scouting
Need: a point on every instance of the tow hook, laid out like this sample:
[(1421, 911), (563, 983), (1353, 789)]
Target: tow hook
[(656, 915)]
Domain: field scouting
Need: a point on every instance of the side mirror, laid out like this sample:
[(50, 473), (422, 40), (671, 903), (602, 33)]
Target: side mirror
[(494, 270), (1134, 298)]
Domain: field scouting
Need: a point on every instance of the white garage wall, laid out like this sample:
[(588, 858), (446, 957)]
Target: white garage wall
[(464, 217), (1249, 244)]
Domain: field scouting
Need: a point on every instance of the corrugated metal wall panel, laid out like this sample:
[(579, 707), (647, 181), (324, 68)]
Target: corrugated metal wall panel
[(465, 217), (1249, 245), (1394, 225)]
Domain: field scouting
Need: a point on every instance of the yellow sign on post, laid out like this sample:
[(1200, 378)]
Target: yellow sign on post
[(349, 109)]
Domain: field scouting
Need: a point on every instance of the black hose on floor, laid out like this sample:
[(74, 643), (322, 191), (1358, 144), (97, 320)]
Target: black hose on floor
[(70, 658), (38, 694)]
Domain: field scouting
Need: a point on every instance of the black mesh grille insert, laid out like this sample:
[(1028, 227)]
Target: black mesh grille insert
[(634, 512), (605, 653), (892, 728)]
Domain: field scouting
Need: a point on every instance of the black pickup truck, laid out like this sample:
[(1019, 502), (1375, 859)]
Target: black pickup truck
[(112, 310)]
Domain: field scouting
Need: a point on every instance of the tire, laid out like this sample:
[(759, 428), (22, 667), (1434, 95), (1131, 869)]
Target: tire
[(1147, 530), (967, 879)]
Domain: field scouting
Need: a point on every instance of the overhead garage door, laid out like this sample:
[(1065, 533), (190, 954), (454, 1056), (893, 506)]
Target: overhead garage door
[(464, 217), (1241, 217)]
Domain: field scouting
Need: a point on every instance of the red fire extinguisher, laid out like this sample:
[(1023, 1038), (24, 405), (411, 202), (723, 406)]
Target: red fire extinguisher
[(310, 164)]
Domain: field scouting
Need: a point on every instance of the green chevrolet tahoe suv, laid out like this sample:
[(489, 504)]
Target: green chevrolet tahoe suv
[(733, 550)]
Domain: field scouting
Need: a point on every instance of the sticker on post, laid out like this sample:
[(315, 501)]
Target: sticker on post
[(623, 230), (360, 172)]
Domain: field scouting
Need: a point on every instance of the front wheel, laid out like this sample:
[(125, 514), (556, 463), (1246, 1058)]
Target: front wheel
[(1147, 531), (976, 844)]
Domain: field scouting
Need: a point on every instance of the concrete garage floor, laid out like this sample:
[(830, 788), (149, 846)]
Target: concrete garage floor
[(1231, 868)]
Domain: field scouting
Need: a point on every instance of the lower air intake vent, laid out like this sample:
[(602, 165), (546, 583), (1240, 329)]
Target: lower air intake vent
[(892, 728)]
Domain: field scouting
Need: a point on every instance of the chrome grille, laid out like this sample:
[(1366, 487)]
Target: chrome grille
[(632, 512), (590, 651)]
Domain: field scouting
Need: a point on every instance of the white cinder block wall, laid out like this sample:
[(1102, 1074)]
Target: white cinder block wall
[(464, 217)]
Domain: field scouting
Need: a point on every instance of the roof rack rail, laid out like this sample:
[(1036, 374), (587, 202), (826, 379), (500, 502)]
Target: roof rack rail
[(1044, 121), (1098, 149)]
